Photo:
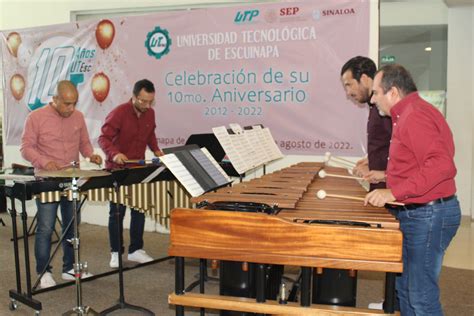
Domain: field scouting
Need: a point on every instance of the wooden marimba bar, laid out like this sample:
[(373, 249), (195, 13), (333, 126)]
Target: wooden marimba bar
[(297, 235)]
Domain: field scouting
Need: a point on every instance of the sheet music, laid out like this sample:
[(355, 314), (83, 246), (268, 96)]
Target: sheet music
[(231, 151), (236, 128), (254, 138), (248, 149), (182, 174), (245, 150), (271, 147), (210, 165)]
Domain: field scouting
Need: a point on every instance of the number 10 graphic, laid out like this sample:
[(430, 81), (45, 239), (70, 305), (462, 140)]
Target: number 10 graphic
[(51, 67)]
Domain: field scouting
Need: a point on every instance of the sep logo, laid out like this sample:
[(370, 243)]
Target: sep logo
[(246, 16), (158, 42), (289, 11)]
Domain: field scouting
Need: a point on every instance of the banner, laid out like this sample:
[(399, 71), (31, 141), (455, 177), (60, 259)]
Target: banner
[(272, 64)]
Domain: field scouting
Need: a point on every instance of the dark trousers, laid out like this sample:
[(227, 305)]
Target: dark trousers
[(137, 226)]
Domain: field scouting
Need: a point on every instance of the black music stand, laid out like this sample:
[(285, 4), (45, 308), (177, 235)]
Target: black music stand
[(212, 144), (119, 178)]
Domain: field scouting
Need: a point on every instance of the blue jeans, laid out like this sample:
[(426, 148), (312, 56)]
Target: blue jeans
[(427, 232), (137, 226), (46, 221)]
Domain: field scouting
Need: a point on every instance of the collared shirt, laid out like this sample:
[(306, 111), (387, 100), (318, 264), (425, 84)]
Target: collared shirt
[(127, 133), (421, 160), (379, 132), (48, 136)]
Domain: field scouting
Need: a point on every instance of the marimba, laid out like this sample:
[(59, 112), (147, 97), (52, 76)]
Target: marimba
[(305, 231)]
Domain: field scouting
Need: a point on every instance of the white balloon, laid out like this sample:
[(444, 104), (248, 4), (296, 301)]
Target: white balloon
[(25, 52)]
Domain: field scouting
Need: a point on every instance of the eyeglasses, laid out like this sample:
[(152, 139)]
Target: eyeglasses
[(146, 102)]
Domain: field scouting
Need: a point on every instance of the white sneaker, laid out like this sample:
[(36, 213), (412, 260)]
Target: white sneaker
[(69, 276), (139, 256), (378, 306), (47, 280), (114, 260)]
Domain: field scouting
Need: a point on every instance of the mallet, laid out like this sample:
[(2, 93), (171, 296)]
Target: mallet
[(321, 194), (323, 174)]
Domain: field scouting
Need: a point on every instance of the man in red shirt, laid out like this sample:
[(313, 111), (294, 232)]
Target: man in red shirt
[(420, 173), (126, 133), (53, 137)]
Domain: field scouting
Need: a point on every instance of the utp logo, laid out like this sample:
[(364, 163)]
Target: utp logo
[(246, 16)]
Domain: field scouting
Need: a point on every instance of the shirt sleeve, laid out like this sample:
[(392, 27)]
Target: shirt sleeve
[(85, 146), (151, 141), (433, 153), (109, 130), (29, 141)]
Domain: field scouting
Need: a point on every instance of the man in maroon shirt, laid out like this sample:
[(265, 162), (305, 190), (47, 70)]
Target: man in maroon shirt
[(357, 76), (420, 173), (126, 133)]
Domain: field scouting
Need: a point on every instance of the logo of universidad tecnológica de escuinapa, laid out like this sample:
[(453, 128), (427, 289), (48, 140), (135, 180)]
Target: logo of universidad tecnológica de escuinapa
[(158, 42)]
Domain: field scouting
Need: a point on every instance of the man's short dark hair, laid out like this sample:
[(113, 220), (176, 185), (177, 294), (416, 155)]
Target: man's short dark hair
[(143, 84), (395, 75), (360, 65)]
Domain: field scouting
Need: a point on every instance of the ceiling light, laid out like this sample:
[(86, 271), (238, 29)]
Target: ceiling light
[(428, 49)]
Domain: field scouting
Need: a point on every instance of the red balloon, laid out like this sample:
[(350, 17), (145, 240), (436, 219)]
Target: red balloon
[(17, 86), (104, 33), (100, 86), (13, 42)]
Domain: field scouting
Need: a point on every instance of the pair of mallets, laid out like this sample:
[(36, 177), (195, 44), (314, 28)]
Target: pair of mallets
[(321, 194)]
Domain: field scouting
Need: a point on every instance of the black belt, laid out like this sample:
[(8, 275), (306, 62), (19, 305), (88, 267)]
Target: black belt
[(413, 206)]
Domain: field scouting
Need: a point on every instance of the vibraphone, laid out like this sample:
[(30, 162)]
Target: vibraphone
[(156, 198), (299, 234)]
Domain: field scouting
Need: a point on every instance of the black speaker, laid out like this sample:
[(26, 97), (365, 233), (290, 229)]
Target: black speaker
[(334, 287)]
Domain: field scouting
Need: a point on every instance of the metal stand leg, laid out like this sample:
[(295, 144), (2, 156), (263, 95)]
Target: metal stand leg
[(390, 294), (179, 282), (78, 266), (305, 286), (32, 229), (121, 303)]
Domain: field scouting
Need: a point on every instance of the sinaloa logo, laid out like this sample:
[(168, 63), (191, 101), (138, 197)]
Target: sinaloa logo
[(158, 42)]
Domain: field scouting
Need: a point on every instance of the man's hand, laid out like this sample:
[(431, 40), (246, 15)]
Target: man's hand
[(375, 176), (50, 166), (96, 159), (379, 197), (361, 168), (120, 158), (158, 153)]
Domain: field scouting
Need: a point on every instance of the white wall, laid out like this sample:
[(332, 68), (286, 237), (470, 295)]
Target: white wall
[(460, 99)]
